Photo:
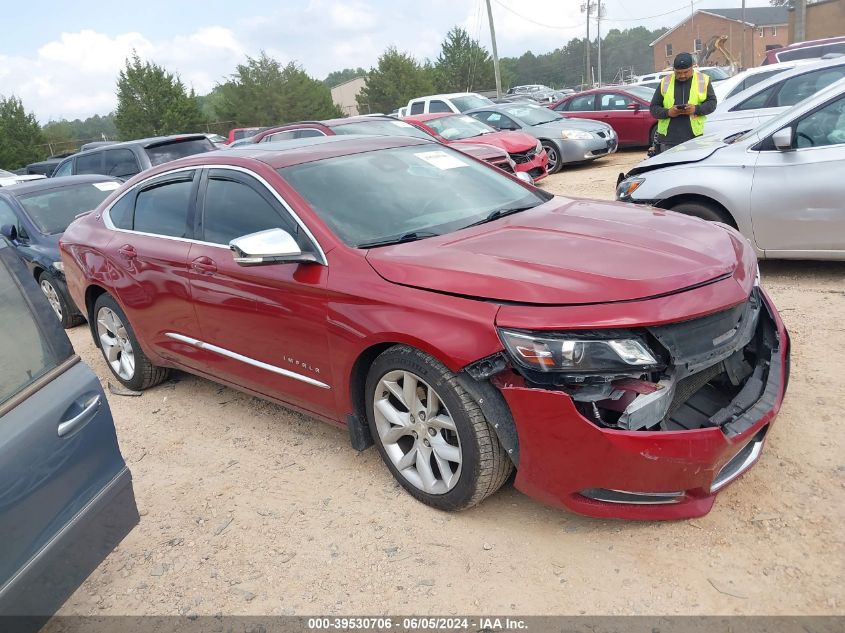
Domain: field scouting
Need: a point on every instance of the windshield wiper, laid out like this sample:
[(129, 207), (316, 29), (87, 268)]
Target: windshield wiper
[(500, 213), (401, 239)]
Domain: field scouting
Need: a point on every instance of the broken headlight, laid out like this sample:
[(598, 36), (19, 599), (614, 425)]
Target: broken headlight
[(577, 353)]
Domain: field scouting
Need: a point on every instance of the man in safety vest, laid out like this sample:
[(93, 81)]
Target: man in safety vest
[(681, 104)]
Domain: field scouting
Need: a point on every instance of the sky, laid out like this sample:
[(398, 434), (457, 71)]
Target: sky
[(62, 59)]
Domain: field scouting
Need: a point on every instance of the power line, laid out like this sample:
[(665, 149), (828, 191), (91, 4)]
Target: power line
[(575, 26), (650, 17), (527, 19)]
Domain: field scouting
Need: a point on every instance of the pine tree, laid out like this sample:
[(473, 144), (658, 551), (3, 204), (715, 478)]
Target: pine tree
[(23, 141), (397, 79), (463, 64)]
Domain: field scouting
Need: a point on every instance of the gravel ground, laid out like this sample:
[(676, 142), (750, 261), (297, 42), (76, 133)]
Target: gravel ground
[(247, 508)]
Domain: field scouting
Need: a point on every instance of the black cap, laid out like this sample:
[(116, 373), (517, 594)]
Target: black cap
[(682, 61)]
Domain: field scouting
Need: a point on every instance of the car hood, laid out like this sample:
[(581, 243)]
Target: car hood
[(511, 142), (690, 152), (482, 151), (586, 125), (567, 252)]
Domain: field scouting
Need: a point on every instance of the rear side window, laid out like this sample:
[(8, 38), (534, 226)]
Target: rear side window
[(584, 103), (26, 355), (120, 163), (163, 208), (417, 107), (89, 163), (164, 153)]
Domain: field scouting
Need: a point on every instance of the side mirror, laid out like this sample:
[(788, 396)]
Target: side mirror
[(9, 232), (273, 246), (525, 177), (633, 106), (782, 139)]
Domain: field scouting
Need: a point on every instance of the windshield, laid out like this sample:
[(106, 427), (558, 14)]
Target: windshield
[(532, 114), (643, 92), (53, 210), (381, 128), (166, 152), (454, 128), (389, 194), (470, 102)]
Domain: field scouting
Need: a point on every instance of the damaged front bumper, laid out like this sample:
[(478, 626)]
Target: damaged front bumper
[(661, 452)]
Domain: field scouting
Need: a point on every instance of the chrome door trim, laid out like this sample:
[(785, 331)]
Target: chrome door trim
[(321, 255), (246, 359)]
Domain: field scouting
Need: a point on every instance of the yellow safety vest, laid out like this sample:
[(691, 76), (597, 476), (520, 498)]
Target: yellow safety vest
[(697, 96)]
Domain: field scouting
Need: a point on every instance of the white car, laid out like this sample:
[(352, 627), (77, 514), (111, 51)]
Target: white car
[(8, 178), (753, 76), (752, 107), (456, 102)]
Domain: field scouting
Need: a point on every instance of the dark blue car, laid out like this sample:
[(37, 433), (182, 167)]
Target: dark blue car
[(66, 496), (33, 216)]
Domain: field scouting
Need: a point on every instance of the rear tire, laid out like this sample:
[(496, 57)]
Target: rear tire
[(704, 211), (61, 307), (552, 151), (441, 448), (652, 136), (124, 356)]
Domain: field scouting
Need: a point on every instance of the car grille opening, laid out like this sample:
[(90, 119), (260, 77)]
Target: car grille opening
[(523, 157)]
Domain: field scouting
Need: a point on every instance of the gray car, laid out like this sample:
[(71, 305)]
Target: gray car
[(565, 140), (761, 102), (780, 184)]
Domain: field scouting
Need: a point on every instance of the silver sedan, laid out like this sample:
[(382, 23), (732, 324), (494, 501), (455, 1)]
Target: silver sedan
[(780, 184), (565, 140)]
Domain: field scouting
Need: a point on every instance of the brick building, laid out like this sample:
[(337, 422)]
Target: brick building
[(764, 28), (825, 18)]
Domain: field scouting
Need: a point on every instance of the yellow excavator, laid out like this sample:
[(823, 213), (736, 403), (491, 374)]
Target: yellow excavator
[(717, 43)]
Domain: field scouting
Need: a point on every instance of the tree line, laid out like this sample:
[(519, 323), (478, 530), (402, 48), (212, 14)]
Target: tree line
[(151, 101)]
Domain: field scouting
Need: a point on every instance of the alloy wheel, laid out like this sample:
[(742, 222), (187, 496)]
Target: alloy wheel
[(115, 343), (417, 431), (52, 296), (553, 159)]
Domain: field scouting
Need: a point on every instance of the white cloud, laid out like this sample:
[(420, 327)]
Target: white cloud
[(353, 16)]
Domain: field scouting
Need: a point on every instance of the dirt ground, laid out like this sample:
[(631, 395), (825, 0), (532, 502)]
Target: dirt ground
[(248, 508)]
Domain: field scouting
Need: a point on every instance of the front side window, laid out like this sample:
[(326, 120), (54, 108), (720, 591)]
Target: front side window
[(436, 106), (162, 209), (280, 136), (64, 169), (823, 127), (615, 101), (53, 210), (33, 356), (377, 197), (233, 209), (120, 163), (7, 214), (89, 163), (757, 101), (799, 88)]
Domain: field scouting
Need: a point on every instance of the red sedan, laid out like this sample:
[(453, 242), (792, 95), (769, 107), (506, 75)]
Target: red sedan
[(379, 125), (624, 108), (623, 360), (525, 151)]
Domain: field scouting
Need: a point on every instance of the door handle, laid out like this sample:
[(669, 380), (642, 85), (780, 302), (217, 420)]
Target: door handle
[(204, 265), (128, 251), (68, 427)]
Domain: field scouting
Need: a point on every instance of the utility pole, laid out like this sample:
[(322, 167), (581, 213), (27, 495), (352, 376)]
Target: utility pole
[(495, 53), (742, 56), (588, 74), (599, 16), (800, 21)]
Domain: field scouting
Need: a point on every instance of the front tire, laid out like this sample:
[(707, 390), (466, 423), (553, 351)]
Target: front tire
[(431, 434), (57, 300), (120, 347), (705, 212), (552, 151)]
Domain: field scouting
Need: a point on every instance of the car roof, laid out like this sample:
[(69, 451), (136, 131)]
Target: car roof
[(786, 74), (447, 95), (44, 184), (505, 107), (278, 154), (808, 43), (147, 142)]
